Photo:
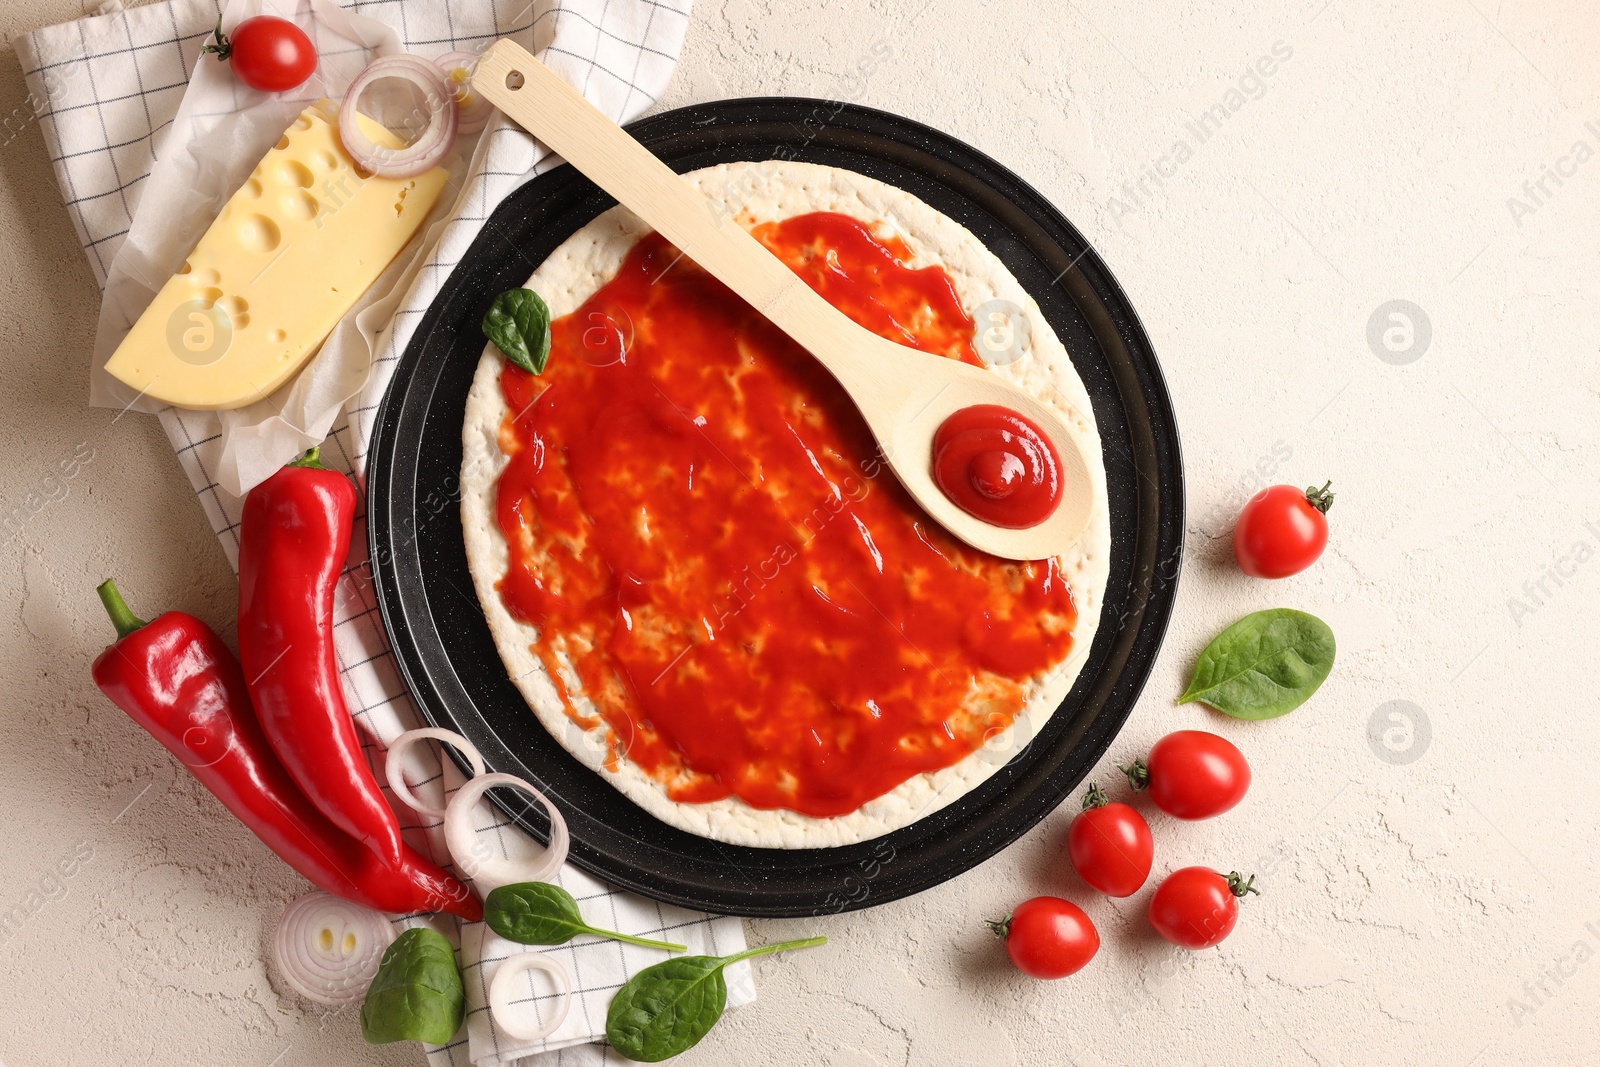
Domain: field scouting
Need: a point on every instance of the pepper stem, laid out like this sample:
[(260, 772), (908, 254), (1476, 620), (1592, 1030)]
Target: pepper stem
[(630, 939), (121, 617), (312, 459), (781, 946), (1321, 499), (1238, 886)]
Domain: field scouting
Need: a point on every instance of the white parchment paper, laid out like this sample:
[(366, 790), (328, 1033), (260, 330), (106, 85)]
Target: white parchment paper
[(221, 131)]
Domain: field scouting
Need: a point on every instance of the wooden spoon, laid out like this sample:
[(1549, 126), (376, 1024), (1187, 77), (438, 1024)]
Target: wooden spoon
[(903, 394)]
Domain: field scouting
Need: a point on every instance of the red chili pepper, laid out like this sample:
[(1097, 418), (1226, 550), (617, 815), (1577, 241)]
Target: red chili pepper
[(293, 538), (176, 678)]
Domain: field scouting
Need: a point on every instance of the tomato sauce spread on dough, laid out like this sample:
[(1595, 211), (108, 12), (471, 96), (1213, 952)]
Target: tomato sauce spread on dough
[(720, 566)]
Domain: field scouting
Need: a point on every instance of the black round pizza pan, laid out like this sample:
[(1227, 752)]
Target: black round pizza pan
[(442, 642)]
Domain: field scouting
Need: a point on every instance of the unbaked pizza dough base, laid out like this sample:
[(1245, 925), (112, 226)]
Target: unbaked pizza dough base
[(758, 192)]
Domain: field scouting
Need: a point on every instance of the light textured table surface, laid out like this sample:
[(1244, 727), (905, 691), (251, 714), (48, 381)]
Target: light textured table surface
[(1429, 896)]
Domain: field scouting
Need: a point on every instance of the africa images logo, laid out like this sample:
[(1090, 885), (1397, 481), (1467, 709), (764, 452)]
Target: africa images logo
[(200, 331), (1138, 192), (1553, 576), (1539, 191)]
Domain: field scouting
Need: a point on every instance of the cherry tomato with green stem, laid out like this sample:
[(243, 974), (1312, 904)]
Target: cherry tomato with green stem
[(1110, 845), (1048, 937), (266, 53), (1196, 907), (1192, 774), (1282, 530)]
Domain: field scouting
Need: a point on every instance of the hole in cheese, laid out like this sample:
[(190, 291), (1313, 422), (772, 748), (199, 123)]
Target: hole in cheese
[(300, 205), (259, 233), (400, 202), (293, 172)]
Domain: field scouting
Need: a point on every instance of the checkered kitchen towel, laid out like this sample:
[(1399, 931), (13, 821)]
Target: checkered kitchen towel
[(106, 90)]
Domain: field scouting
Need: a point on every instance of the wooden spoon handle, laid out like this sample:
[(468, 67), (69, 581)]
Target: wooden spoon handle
[(511, 79)]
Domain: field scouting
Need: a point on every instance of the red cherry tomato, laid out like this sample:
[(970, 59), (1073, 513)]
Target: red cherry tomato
[(1196, 907), (267, 53), (1048, 937), (1110, 845), (1192, 774), (1282, 531)]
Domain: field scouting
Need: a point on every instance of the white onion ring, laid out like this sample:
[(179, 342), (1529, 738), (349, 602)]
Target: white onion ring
[(436, 141), (501, 992), (458, 69), (397, 749), (473, 856), (328, 949)]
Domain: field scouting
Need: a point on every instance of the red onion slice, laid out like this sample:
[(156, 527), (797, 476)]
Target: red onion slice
[(328, 949), (424, 153), (458, 68), (394, 758), (521, 1022), (478, 857)]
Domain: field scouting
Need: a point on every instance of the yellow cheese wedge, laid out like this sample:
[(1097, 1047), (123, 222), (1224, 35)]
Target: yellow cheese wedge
[(292, 251)]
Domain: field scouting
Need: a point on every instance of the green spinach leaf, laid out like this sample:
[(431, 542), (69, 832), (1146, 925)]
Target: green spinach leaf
[(519, 324), (538, 913), (1265, 665), (417, 993), (666, 1009)]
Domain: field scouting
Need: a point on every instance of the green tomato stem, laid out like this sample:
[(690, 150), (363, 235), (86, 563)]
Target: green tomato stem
[(781, 946), (221, 47), (1321, 499), (630, 939), (1238, 886), (1138, 774)]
